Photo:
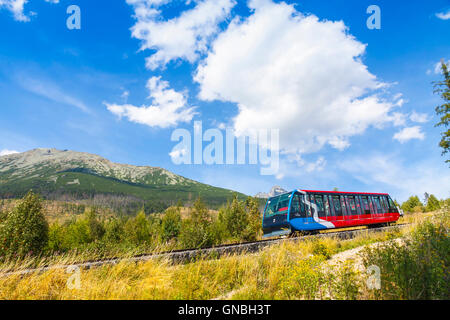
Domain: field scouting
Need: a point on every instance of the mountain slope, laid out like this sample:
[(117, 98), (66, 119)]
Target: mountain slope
[(60, 174)]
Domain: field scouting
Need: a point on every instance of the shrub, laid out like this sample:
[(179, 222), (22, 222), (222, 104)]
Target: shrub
[(197, 230), (417, 268), (413, 204), (56, 238), (170, 224), (240, 220), (432, 204), (96, 229), (25, 230), (321, 249), (114, 230), (137, 229)]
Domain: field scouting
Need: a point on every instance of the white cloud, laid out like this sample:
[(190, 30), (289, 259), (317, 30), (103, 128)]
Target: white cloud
[(443, 16), (409, 133), (177, 155), (419, 117), (184, 37), (6, 152), (294, 73), (168, 109), (17, 8), (398, 119)]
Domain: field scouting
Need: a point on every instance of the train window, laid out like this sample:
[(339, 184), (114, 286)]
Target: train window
[(298, 207), (337, 205), (376, 201), (351, 204), (392, 206), (330, 204), (344, 206), (358, 204), (320, 205), (384, 204), (310, 205), (365, 205), (326, 205)]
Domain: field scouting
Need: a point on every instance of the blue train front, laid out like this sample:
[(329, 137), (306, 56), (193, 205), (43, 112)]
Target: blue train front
[(312, 211)]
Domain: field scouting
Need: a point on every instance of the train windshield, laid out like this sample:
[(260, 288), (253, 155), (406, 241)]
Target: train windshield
[(278, 205)]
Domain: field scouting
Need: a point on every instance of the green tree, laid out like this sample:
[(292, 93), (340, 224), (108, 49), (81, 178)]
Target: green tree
[(236, 218), (170, 224), (413, 204), (114, 230), (254, 226), (197, 228), (443, 89), (432, 204), (25, 230), (96, 228), (137, 229)]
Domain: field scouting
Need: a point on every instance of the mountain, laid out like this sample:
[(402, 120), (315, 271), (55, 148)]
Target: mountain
[(66, 174), (276, 190)]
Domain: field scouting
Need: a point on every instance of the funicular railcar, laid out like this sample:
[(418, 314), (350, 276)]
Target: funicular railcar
[(310, 211)]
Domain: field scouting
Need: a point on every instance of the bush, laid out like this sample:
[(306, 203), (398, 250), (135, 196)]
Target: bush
[(114, 230), (432, 204), (25, 230), (240, 220), (137, 230), (416, 269), (170, 224), (413, 204), (96, 229), (197, 230)]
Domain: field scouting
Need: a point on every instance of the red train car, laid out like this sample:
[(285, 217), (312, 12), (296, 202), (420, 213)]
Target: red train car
[(312, 210)]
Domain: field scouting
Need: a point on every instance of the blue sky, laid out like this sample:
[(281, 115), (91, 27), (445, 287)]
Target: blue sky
[(355, 107)]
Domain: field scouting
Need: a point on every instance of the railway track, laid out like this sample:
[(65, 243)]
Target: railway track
[(182, 256)]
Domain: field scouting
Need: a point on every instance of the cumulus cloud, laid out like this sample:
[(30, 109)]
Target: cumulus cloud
[(409, 133), (17, 8), (168, 108), (6, 152), (295, 73), (185, 37), (443, 15)]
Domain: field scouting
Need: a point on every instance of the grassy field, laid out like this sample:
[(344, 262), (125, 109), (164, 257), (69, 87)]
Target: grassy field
[(285, 271)]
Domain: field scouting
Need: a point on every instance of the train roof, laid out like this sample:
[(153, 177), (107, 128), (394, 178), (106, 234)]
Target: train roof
[(344, 192)]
